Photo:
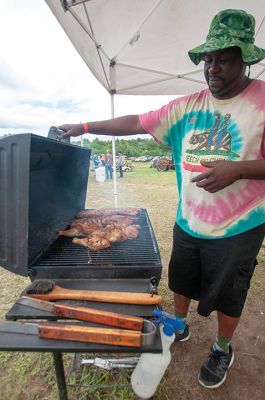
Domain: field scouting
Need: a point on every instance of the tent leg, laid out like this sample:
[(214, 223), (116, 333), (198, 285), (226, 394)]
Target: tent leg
[(114, 156)]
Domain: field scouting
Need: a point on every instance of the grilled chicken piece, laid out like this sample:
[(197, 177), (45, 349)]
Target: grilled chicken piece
[(121, 219), (95, 243), (72, 232), (81, 227), (108, 212), (86, 226), (131, 232), (126, 231), (114, 235), (109, 234), (104, 237)]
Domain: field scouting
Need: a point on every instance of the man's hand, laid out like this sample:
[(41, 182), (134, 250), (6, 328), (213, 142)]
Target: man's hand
[(71, 130), (220, 174), (120, 126)]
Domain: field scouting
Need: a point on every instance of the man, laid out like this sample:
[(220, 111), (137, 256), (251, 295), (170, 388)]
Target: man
[(108, 165), (217, 137), (120, 164)]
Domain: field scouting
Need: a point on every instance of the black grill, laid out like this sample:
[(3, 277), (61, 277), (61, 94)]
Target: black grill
[(43, 185), (50, 189)]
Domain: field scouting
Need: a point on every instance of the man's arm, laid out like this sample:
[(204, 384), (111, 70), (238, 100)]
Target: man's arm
[(122, 126), (223, 173)]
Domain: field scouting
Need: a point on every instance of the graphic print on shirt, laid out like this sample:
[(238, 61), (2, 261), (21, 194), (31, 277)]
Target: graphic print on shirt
[(210, 145)]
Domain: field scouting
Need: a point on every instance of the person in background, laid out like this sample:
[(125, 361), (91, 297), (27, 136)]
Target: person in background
[(120, 164), (217, 136), (102, 160), (95, 159), (108, 165)]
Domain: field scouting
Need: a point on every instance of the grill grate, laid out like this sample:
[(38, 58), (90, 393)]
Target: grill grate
[(141, 251)]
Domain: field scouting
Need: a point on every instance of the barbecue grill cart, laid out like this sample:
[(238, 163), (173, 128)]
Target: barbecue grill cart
[(43, 185)]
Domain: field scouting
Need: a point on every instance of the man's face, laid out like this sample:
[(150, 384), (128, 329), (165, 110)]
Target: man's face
[(224, 72)]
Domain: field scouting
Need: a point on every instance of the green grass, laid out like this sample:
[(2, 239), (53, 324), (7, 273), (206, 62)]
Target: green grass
[(27, 376)]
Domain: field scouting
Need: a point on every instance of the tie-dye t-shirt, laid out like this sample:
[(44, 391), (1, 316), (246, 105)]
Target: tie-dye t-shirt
[(199, 127)]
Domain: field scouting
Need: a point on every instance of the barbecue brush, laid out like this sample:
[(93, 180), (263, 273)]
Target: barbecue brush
[(45, 289)]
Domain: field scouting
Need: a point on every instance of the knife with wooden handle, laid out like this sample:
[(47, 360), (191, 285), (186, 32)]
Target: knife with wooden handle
[(84, 313), (116, 337), (84, 333)]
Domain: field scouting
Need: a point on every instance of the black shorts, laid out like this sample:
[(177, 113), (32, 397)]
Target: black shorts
[(216, 272)]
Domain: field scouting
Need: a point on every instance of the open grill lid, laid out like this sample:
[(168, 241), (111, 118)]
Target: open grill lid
[(43, 185)]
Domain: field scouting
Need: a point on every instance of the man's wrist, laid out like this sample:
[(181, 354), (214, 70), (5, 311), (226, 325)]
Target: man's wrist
[(85, 127)]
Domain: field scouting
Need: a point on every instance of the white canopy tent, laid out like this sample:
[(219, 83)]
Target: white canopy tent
[(140, 47)]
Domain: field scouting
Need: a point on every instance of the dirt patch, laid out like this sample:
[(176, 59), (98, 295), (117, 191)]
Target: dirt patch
[(247, 372)]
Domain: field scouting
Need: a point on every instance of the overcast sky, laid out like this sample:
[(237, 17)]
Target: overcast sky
[(43, 80)]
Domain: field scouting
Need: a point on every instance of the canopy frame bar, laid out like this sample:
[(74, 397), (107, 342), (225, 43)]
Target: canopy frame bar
[(98, 46), (119, 91), (115, 192), (159, 72), (260, 26), (138, 29), (260, 73), (99, 55)]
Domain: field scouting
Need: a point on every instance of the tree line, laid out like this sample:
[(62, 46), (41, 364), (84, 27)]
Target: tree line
[(130, 148)]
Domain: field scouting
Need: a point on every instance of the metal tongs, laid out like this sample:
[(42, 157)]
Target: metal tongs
[(138, 331)]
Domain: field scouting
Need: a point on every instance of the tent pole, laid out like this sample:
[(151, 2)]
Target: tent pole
[(114, 156)]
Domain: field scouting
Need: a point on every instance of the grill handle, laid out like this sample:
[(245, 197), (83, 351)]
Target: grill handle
[(54, 133)]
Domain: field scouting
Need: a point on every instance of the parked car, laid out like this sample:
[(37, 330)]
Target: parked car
[(141, 159)]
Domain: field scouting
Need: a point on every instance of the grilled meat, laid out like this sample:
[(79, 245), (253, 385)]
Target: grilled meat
[(103, 227), (72, 232), (95, 243), (86, 226), (121, 219), (131, 232), (108, 212), (104, 237), (82, 227), (113, 235)]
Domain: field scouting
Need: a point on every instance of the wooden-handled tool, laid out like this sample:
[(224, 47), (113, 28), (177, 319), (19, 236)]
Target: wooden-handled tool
[(84, 313), (116, 337), (45, 289), (83, 333)]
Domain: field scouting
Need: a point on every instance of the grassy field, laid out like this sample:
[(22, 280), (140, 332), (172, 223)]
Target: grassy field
[(30, 376)]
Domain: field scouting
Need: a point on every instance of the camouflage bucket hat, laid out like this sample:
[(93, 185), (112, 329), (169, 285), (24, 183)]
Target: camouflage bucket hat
[(230, 28)]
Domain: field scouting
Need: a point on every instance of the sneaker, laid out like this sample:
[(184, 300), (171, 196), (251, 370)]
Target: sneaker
[(182, 337), (214, 370)]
